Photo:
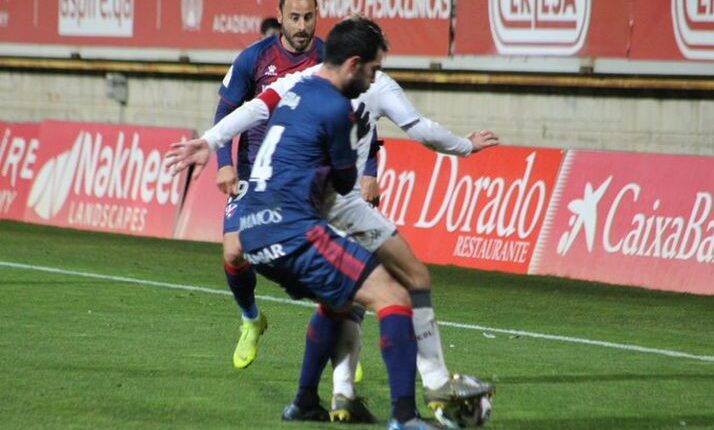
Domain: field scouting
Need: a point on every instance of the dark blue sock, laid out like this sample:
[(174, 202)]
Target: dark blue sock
[(399, 351), (241, 281), (319, 342)]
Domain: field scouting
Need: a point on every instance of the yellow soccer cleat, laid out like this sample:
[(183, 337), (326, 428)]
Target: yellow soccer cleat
[(346, 410), (359, 373), (247, 348)]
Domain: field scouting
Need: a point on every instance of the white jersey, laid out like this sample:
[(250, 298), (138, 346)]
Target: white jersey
[(384, 98)]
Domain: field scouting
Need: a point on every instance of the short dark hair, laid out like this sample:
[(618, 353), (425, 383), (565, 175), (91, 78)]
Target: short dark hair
[(269, 23), (354, 36), (281, 3)]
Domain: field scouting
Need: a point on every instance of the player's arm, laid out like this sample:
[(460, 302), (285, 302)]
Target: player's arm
[(257, 111), (368, 182), (395, 105), (342, 139), (235, 88), (254, 112)]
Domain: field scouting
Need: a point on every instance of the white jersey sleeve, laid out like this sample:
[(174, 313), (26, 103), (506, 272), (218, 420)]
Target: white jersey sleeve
[(394, 104), (252, 113)]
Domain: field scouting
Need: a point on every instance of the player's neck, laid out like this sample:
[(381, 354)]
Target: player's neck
[(331, 74), (288, 47)]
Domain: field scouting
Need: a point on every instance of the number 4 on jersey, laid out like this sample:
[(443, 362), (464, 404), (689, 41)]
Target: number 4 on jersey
[(262, 168)]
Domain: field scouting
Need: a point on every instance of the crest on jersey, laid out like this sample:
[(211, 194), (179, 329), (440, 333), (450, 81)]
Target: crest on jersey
[(191, 14), (231, 209), (271, 71)]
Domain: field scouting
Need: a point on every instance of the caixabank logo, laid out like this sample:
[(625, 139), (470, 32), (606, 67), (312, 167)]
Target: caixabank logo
[(693, 22), (539, 27)]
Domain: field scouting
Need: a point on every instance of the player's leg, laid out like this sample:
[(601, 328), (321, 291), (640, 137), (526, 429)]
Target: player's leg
[(333, 270), (390, 301), (319, 342), (241, 279), (372, 230), (346, 406), (440, 387), (377, 234)]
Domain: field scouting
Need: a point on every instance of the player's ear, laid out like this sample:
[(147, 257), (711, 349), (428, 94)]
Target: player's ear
[(353, 63), (279, 16)]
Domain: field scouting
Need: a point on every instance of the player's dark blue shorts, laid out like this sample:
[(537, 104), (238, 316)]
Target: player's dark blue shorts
[(319, 265)]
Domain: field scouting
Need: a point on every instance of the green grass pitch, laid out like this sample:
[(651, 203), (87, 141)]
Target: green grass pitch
[(79, 351)]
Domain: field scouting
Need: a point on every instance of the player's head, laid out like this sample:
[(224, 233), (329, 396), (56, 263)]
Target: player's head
[(356, 46), (298, 19), (269, 26)]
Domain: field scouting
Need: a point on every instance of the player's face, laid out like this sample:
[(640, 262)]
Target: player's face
[(298, 19), (363, 76)]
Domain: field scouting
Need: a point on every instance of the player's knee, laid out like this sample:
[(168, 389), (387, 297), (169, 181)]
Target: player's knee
[(394, 294), (400, 296), (232, 251), (419, 277), (233, 256)]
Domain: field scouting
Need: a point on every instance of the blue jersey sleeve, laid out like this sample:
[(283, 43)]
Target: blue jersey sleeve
[(235, 89)]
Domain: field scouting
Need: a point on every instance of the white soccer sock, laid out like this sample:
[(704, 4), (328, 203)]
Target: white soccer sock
[(345, 357), (430, 354)]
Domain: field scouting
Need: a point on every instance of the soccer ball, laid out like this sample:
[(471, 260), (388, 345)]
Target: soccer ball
[(468, 413)]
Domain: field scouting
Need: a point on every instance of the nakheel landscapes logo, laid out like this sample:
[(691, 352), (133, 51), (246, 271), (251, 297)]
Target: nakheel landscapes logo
[(104, 186), (51, 188), (636, 223), (693, 22), (539, 27)]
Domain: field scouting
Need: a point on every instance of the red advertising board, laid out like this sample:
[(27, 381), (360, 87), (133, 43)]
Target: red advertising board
[(201, 216), (673, 30), (540, 27), (19, 145), (209, 24), (413, 27), (484, 212), (633, 219), (637, 29), (105, 177)]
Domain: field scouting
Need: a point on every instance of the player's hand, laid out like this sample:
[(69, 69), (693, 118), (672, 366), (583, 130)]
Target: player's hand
[(227, 180), (362, 117), (370, 190), (183, 154), (483, 139)]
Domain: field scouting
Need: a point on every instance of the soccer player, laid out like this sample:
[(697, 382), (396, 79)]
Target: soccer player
[(255, 68), (308, 154), (351, 214), (270, 27)]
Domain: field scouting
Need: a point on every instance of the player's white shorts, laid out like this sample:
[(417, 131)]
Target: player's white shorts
[(353, 216)]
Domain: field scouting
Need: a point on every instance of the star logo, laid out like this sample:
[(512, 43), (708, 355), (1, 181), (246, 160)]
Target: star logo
[(584, 217)]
